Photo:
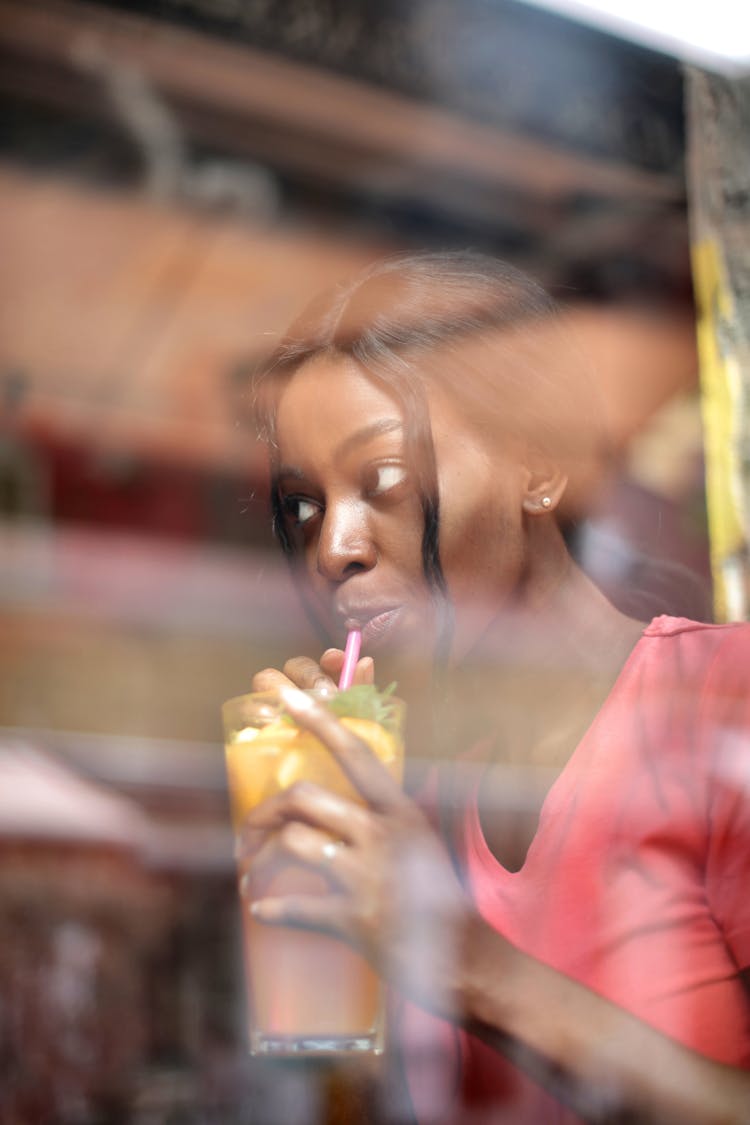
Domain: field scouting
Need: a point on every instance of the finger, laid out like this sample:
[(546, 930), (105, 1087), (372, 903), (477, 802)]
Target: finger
[(364, 673), (270, 679), (323, 913), (361, 766), (332, 661), (308, 674), (308, 804), (308, 847)]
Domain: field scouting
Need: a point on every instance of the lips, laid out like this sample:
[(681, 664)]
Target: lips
[(377, 629), (376, 623)]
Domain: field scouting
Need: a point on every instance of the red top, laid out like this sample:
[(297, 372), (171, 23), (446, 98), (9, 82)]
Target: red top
[(637, 882)]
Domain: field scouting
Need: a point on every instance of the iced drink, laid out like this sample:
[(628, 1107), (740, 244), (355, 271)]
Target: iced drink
[(308, 993)]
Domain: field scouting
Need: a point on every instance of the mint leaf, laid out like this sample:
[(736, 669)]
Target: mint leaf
[(365, 701)]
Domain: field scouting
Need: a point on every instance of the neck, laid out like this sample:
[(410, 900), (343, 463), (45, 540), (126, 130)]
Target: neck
[(547, 660), (559, 617)]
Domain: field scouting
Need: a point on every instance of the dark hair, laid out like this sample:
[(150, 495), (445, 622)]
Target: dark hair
[(478, 320)]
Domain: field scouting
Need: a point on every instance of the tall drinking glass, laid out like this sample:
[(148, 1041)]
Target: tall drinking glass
[(308, 993)]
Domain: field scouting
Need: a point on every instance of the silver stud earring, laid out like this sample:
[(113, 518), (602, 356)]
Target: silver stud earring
[(546, 502)]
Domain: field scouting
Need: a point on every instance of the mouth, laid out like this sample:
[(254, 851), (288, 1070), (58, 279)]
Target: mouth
[(376, 627), (377, 630)]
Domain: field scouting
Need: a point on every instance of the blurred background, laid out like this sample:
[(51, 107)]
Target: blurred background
[(177, 178)]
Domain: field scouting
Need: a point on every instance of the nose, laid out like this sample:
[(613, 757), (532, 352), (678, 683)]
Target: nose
[(346, 544)]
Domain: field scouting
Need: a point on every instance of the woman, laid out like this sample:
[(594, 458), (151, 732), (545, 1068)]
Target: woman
[(566, 909)]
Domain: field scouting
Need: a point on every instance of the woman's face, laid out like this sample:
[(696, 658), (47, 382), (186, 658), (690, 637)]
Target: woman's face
[(351, 505)]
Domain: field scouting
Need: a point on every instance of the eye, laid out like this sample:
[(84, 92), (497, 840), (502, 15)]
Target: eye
[(300, 509), (380, 479)]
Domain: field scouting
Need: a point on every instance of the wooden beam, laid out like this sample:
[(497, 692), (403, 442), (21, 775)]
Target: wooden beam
[(305, 118)]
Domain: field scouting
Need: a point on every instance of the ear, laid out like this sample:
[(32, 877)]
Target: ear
[(545, 485)]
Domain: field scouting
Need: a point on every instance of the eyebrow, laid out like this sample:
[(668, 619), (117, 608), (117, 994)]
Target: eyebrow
[(366, 433), (352, 441)]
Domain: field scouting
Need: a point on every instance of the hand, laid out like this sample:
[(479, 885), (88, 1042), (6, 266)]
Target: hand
[(305, 673), (392, 891)]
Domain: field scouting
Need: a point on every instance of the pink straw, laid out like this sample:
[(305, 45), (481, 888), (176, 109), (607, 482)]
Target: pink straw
[(351, 656)]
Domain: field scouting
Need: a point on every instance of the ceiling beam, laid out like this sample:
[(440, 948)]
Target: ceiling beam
[(302, 118)]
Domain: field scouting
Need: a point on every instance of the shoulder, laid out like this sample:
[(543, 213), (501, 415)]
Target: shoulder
[(697, 632), (699, 672), (699, 647)]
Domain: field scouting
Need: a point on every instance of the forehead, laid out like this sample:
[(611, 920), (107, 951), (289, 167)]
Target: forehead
[(330, 398), (331, 409), (332, 415), (336, 390)]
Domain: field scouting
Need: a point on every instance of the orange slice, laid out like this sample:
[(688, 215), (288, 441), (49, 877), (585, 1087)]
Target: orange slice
[(278, 755)]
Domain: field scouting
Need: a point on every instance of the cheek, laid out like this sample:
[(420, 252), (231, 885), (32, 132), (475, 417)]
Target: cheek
[(481, 543), (400, 538)]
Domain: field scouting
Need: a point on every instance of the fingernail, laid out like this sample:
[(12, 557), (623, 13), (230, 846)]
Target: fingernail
[(245, 886), (295, 699), (261, 909)]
